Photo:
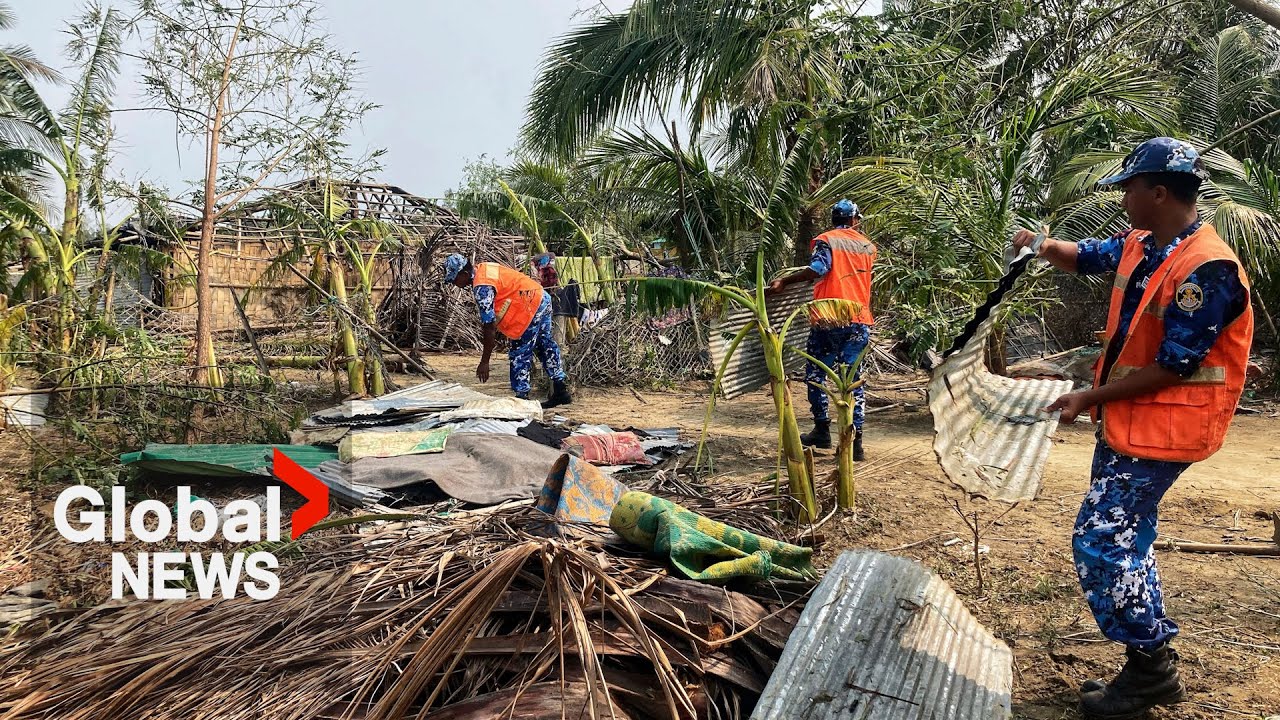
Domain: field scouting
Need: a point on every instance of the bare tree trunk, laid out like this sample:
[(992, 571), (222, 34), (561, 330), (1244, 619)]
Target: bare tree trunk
[(1261, 9), (205, 370), (806, 230)]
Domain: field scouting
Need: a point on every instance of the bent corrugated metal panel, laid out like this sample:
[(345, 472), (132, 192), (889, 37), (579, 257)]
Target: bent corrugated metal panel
[(883, 638), (434, 395), (747, 370), (990, 435)]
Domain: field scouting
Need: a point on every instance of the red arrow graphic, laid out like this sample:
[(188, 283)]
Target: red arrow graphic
[(316, 492)]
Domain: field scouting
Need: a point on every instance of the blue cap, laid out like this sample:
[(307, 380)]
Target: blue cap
[(544, 259), (846, 208), (1158, 155), (452, 266)]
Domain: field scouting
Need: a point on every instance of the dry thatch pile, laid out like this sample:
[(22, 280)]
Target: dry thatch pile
[(460, 617)]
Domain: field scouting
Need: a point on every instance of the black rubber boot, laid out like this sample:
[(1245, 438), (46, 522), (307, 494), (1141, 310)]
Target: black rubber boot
[(1149, 679), (858, 453), (820, 436), (559, 395)]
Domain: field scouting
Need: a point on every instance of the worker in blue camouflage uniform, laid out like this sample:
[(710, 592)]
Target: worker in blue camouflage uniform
[(535, 339), (1116, 526), (840, 263)]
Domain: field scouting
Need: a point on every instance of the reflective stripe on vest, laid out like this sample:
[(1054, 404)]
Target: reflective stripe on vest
[(1188, 421), (849, 279), (516, 297)]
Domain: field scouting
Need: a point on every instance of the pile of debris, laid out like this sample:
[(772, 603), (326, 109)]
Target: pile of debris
[(606, 583), (463, 614), (623, 348)]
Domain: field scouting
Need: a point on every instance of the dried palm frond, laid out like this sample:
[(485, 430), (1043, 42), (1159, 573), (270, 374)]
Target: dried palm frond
[(446, 615)]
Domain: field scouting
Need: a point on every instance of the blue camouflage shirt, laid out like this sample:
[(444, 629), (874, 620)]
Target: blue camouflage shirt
[(1188, 335), (820, 259), (485, 296)]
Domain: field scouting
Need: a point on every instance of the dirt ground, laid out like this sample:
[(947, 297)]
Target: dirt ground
[(1227, 606)]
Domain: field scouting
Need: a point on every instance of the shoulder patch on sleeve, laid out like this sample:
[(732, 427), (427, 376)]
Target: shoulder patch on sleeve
[(1189, 297)]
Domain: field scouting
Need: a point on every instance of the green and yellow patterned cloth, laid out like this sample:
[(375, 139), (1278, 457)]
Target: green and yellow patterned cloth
[(374, 444), (704, 549)]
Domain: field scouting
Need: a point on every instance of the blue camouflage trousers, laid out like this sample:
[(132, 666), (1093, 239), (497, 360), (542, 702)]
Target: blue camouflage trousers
[(835, 347), (536, 339), (1112, 545)]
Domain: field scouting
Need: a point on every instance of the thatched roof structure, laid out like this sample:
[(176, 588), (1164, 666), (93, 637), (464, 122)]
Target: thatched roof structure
[(412, 304)]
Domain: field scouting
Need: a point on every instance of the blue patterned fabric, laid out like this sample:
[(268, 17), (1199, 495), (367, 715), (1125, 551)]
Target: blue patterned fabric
[(577, 492), (485, 297), (835, 347), (536, 339), (1112, 545), (452, 265), (1188, 334), (820, 259), (1162, 154)]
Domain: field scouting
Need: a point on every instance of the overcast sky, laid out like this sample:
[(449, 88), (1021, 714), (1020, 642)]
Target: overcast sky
[(452, 77)]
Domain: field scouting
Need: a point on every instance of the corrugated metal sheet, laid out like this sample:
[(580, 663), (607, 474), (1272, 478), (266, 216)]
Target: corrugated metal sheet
[(223, 460), (337, 475), (434, 395), (130, 297), (883, 638), (747, 370), (991, 437)]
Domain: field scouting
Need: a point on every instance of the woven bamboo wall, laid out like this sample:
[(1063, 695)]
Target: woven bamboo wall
[(247, 243), (239, 265)]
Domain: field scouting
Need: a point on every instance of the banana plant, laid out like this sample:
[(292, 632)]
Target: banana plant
[(844, 381), (335, 244), (53, 249), (656, 295)]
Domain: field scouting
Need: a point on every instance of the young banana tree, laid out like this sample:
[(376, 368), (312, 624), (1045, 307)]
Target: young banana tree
[(53, 249), (656, 295), (844, 381), (336, 243)]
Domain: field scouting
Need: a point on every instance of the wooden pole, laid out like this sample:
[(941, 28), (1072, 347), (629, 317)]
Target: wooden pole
[(248, 333), (1179, 546), (372, 331)]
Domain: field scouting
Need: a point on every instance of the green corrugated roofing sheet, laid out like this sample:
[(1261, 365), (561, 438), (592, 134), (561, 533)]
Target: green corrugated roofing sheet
[(222, 460)]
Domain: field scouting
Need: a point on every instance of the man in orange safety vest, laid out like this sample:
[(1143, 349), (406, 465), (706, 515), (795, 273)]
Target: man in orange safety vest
[(1165, 388), (514, 304)]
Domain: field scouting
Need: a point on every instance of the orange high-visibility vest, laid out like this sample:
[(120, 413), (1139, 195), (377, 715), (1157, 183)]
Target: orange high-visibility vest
[(1188, 421), (852, 256), (516, 300)]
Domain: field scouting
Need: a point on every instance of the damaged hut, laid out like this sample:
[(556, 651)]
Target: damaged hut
[(412, 307)]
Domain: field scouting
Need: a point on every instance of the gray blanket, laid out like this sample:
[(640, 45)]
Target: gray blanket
[(480, 468)]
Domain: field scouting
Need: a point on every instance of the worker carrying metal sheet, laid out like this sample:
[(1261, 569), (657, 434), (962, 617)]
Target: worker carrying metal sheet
[(514, 304), (1165, 389), (840, 264)]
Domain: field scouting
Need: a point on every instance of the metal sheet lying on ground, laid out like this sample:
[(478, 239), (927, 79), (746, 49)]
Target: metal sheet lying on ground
[(747, 370), (883, 638), (991, 436), (434, 395)]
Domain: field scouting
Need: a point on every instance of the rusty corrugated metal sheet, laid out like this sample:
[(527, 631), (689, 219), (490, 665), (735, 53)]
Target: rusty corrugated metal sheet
[(747, 371), (991, 437), (883, 638)]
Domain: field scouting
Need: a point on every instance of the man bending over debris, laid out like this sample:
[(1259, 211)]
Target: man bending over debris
[(841, 263), (514, 304), (1165, 389)]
